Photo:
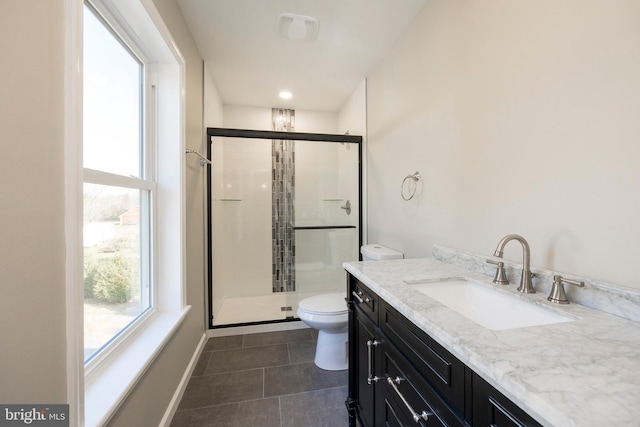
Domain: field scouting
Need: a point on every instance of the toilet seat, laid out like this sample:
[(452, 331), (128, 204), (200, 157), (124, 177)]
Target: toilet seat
[(328, 304)]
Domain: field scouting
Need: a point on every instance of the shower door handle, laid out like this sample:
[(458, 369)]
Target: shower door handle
[(347, 207)]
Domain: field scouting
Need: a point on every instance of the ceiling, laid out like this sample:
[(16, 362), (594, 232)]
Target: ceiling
[(250, 63)]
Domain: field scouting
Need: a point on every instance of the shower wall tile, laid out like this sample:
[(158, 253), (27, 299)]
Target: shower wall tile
[(241, 229), (326, 177), (283, 202)]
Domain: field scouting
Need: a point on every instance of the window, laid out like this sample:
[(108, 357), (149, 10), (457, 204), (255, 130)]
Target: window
[(124, 199), (117, 192)]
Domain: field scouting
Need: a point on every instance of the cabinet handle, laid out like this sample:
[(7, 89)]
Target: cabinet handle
[(359, 298), (416, 417), (371, 378)]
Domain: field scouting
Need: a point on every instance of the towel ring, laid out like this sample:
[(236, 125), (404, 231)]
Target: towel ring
[(412, 191)]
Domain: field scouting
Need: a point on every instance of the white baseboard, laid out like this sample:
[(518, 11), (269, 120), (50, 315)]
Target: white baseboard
[(177, 395), (255, 329)]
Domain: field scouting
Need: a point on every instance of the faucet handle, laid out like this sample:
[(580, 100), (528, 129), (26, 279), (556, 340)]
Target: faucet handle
[(501, 276), (557, 293)]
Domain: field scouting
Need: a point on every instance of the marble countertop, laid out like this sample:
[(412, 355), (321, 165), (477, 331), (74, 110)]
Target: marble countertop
[(580, 373)]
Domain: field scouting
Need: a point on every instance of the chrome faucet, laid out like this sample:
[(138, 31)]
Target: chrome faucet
[(525, 280)]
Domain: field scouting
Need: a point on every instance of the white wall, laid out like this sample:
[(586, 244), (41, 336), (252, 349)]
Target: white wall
[(213, 110), (32, 247), (316, 121), (260, 118), (352, 117), (522, 117)]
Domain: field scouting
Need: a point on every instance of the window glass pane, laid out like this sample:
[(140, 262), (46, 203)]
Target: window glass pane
[(112, 99), (116, 262)]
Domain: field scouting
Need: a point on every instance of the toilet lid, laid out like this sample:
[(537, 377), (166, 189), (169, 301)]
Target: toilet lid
[(327, 304)]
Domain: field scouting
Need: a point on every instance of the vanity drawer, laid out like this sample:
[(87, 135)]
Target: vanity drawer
[(365, 299), (436, 365), (410, 395), (492, 408)]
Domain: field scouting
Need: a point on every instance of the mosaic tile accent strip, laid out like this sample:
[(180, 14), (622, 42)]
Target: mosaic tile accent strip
[(282, 207)]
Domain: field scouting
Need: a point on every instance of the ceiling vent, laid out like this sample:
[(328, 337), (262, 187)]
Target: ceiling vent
[(297, 27)]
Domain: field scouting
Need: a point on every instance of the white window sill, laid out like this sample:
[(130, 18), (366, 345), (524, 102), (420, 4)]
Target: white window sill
[(108, 388)]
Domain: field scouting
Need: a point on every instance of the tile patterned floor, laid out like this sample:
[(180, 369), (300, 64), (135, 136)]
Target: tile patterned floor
[(266, 380)]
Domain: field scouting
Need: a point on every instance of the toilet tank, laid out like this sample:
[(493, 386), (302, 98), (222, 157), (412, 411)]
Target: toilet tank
[(375, 252)]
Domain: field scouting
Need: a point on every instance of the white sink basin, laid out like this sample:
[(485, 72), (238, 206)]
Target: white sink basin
[(485, 306)]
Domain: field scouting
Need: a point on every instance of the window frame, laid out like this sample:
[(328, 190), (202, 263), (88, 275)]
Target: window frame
[(123, 35), (120, 338), (95, 394), (144, 182)]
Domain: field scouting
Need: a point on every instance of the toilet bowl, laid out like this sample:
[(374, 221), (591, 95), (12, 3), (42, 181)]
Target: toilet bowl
[(328, 314)]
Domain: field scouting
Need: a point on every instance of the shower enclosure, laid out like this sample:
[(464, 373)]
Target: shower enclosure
[(284, 214)]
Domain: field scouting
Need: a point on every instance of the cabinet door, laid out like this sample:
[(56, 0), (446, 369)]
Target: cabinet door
[(403, 394), (391, 415), (492, 409), (436, 365), (365, 356)]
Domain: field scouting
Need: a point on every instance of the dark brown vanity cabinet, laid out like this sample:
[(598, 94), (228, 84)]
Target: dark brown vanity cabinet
[(399, 376), (365, 366), (492, 408)]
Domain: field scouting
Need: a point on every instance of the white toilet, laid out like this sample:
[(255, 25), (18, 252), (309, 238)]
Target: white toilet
[(328, 314)]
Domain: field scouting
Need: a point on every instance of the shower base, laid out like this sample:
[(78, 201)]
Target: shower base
[(237, 310)]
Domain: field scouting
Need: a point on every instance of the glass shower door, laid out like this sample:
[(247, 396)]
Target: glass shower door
[(241, 231), (327, 215), (284, 217)]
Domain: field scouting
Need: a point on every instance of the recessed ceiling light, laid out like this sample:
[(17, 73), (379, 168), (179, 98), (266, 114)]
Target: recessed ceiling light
[(285, 94)]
